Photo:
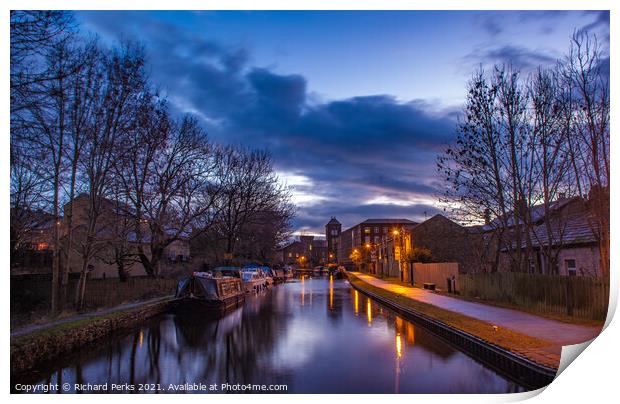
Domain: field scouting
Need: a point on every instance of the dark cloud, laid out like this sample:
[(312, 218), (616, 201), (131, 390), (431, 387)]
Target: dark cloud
[(352, 151), (518, 57)]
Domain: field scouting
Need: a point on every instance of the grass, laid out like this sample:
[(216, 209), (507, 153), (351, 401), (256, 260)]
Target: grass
[(62, 328), (539, 350)]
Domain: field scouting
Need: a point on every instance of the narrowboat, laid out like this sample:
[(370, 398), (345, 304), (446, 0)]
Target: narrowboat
[(253, 280), (205, 292)]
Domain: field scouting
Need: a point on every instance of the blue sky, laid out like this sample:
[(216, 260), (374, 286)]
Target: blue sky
[(353, 105)]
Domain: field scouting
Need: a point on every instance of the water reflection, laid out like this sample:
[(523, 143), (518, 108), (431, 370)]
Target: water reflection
[(307, 334)]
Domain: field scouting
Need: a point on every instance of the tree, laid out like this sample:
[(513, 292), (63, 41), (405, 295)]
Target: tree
[(590, 139), (472, 167), (420, 254), (532, 142), (170, 177), (250, 195), (114, 103)]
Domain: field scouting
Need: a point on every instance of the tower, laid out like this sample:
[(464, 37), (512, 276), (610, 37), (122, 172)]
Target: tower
[(332, 235)]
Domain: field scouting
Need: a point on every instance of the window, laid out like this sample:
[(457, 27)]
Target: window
[(376, 230), (367, 230), (366, 239), (532, 266), (290, 255), (385, 230), (571, 267), (334, 232), (377, 239)]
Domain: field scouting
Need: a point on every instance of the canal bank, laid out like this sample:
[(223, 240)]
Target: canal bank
[(38, 344), (529, 360), (314, 335)]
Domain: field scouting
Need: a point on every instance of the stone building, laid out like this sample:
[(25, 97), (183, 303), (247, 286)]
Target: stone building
[(448, 241), (563, 240), (333, 228), (115, 236), (306, 252), (364, 237)]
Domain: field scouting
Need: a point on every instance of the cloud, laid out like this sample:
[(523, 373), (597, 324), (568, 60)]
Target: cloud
[(349, 152), (517, 56)]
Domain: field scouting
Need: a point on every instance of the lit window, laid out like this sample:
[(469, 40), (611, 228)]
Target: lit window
[(571, 267)]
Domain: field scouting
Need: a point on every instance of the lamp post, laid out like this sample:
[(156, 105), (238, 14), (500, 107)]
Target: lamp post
[(369, 246), (399, 234)]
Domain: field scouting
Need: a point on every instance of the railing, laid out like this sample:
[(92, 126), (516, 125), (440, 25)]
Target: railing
[(574, 296)]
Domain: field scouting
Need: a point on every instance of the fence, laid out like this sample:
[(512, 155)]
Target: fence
[(575, 296), (436, 273), (30, 295)]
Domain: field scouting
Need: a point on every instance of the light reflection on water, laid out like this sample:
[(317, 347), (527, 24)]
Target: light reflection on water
[(307, 334)]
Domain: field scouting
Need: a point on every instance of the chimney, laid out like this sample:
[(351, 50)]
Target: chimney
[(487, 216)]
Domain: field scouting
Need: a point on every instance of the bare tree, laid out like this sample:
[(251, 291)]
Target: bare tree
[(472, 166), (521, 145), (583, 66), (84, 87), (116, 102), (169, 173), (251, 195)]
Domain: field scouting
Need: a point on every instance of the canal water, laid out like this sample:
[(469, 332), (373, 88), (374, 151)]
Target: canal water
[(312, 335)]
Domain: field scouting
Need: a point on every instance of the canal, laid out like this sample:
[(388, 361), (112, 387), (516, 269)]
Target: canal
[(312, 335)]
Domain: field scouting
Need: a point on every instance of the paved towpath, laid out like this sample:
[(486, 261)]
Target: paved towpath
[(557, 332), (36, 327)]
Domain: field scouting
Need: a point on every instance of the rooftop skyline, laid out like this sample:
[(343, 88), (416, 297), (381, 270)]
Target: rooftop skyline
[(354, 106)]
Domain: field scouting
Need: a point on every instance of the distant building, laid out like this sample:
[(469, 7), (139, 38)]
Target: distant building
[(364, 237), (333, 228), (115, 234), (33, 243), (306, 252)]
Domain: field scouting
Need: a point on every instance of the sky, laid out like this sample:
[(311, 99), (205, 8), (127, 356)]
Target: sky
[(354, 106)]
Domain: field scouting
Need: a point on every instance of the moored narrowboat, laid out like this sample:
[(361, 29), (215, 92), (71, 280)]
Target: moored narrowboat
[(205, 292)]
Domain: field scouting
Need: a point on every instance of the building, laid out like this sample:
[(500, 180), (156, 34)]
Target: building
[(32, 241), (361, 239), (115, 240), (448, 241), (306, 252), (559, 240), (333, 228)]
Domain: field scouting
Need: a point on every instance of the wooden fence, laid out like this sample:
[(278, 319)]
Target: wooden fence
[(436, 273), (575, 296)]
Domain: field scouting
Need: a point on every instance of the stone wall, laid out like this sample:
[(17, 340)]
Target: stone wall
[(31, 350)]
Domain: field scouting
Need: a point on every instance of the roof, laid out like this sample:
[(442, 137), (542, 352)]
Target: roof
[(537, 213), (390, 221), (333, 221), (578, 228)]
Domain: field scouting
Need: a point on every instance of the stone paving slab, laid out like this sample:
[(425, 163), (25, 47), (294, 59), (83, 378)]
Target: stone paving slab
[(556, 332)]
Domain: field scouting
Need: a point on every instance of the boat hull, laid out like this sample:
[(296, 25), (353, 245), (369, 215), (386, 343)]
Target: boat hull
[(192, 303)]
